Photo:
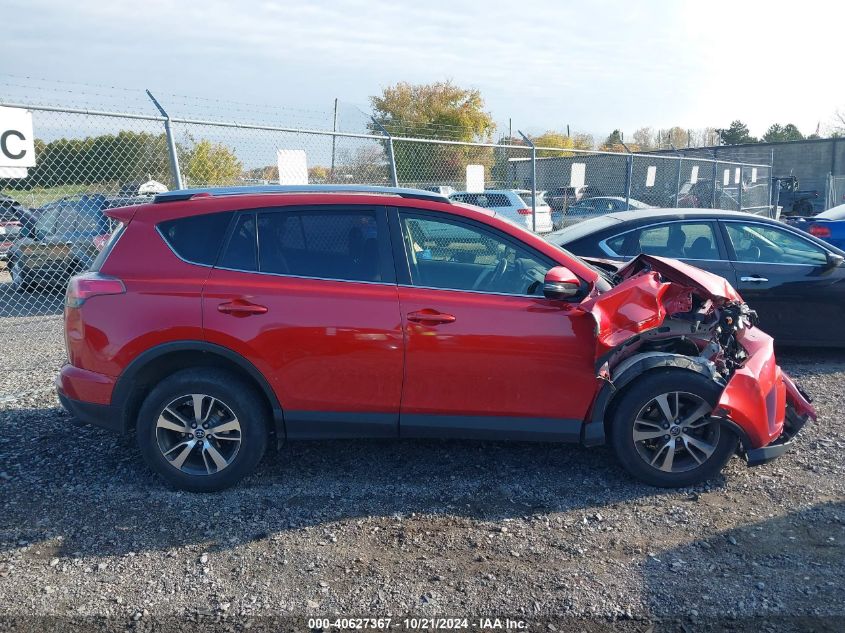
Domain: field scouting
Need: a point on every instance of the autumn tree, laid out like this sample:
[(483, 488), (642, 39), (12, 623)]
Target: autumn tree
[(210, 163), (439, 110)]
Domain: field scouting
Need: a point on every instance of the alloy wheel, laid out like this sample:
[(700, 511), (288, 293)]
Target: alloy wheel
[(198, 434), (674, 432)]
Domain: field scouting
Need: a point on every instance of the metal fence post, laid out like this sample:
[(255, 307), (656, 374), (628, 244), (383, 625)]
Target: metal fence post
[(334, 138), (175, 173), (391, 159), (533, 180), (629, 175), (715, 179), (739, 189), (678, 182)]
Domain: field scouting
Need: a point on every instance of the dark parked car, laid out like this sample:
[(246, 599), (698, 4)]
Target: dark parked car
[(63, 240), (218, 322), (15, 221), (592, 207), (559, 198), (794, 281)]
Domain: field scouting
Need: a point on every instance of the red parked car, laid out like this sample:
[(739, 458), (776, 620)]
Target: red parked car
[(217, 321)]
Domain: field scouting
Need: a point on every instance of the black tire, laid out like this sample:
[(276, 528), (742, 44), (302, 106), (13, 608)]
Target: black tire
[(804, 208), (635, 400), (20, 275), (231, 393)]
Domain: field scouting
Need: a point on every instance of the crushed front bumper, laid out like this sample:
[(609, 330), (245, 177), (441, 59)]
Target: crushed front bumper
[(763, 403), (793, 424)]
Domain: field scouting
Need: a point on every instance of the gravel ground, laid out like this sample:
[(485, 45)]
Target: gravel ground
[(557, 536)]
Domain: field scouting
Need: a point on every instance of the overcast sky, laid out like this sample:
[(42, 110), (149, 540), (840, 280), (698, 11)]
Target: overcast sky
[(595, 65)]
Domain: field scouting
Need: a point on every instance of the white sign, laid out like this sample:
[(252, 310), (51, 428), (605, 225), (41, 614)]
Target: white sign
[(293, 167), (475, 178), (17, 148), (726, 177), (753, 174), (13, 172), (737, 176), (693, 176), (650, 175), (578, 175)]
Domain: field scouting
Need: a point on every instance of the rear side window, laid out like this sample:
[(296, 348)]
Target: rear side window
[(340, 245), (693, 240), (196, 239), (240, 252)]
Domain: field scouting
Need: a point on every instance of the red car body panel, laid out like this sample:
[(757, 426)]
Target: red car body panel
[(501, 356), (323, 345), (755, 396), (395, 350), (634, 307), (85, 386), (106, 333)]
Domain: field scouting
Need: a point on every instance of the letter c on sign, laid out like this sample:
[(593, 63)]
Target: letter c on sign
[(4, 144)]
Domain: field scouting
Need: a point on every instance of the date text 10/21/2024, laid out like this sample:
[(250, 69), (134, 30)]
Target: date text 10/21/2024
[(419, 624)]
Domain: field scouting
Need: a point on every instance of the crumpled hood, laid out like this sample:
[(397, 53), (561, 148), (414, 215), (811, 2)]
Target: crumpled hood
[(652, 288), (708, 285)]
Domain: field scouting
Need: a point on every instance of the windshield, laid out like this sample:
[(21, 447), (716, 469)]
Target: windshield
[(46, 223)]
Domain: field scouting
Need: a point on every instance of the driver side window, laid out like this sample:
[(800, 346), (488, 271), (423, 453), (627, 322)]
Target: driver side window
[(456, 256), (761, 243)]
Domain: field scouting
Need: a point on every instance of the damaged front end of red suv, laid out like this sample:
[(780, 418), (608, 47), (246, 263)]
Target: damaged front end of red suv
[(663, 313)]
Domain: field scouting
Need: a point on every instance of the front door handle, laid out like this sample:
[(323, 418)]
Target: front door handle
[(241, 308), (754, 279), (430, 317)]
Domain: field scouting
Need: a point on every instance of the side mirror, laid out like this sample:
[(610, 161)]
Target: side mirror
[(833, 260), (561, 283)]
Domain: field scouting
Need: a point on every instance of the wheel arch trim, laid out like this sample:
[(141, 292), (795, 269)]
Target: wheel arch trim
[(594, 432), (126, 382)]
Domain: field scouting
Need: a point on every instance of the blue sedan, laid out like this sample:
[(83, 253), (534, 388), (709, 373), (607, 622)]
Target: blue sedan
[(828, 225)]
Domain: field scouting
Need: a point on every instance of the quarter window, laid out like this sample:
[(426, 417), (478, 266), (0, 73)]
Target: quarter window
[(196, 239), (456, 256), (769, 244)]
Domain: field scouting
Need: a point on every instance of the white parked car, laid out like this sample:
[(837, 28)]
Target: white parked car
[(511, 204)]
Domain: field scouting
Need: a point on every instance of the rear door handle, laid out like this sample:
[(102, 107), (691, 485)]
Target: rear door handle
[(430, 317), (241, 308), (754, 279)]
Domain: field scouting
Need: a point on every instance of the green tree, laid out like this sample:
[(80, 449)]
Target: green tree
[(211, 164), (735, 133), (438, 110), (777, 132), (104, 162)]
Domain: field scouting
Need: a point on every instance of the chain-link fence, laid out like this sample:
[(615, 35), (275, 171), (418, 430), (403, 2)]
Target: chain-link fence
[(53, 222)]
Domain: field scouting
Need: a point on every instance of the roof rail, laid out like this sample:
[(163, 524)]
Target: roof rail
[(187, 194)]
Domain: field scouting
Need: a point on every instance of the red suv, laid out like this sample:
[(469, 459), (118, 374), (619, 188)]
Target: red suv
[(217, 321)]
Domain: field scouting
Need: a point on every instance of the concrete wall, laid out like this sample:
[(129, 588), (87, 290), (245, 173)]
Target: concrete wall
[(811, 161)]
